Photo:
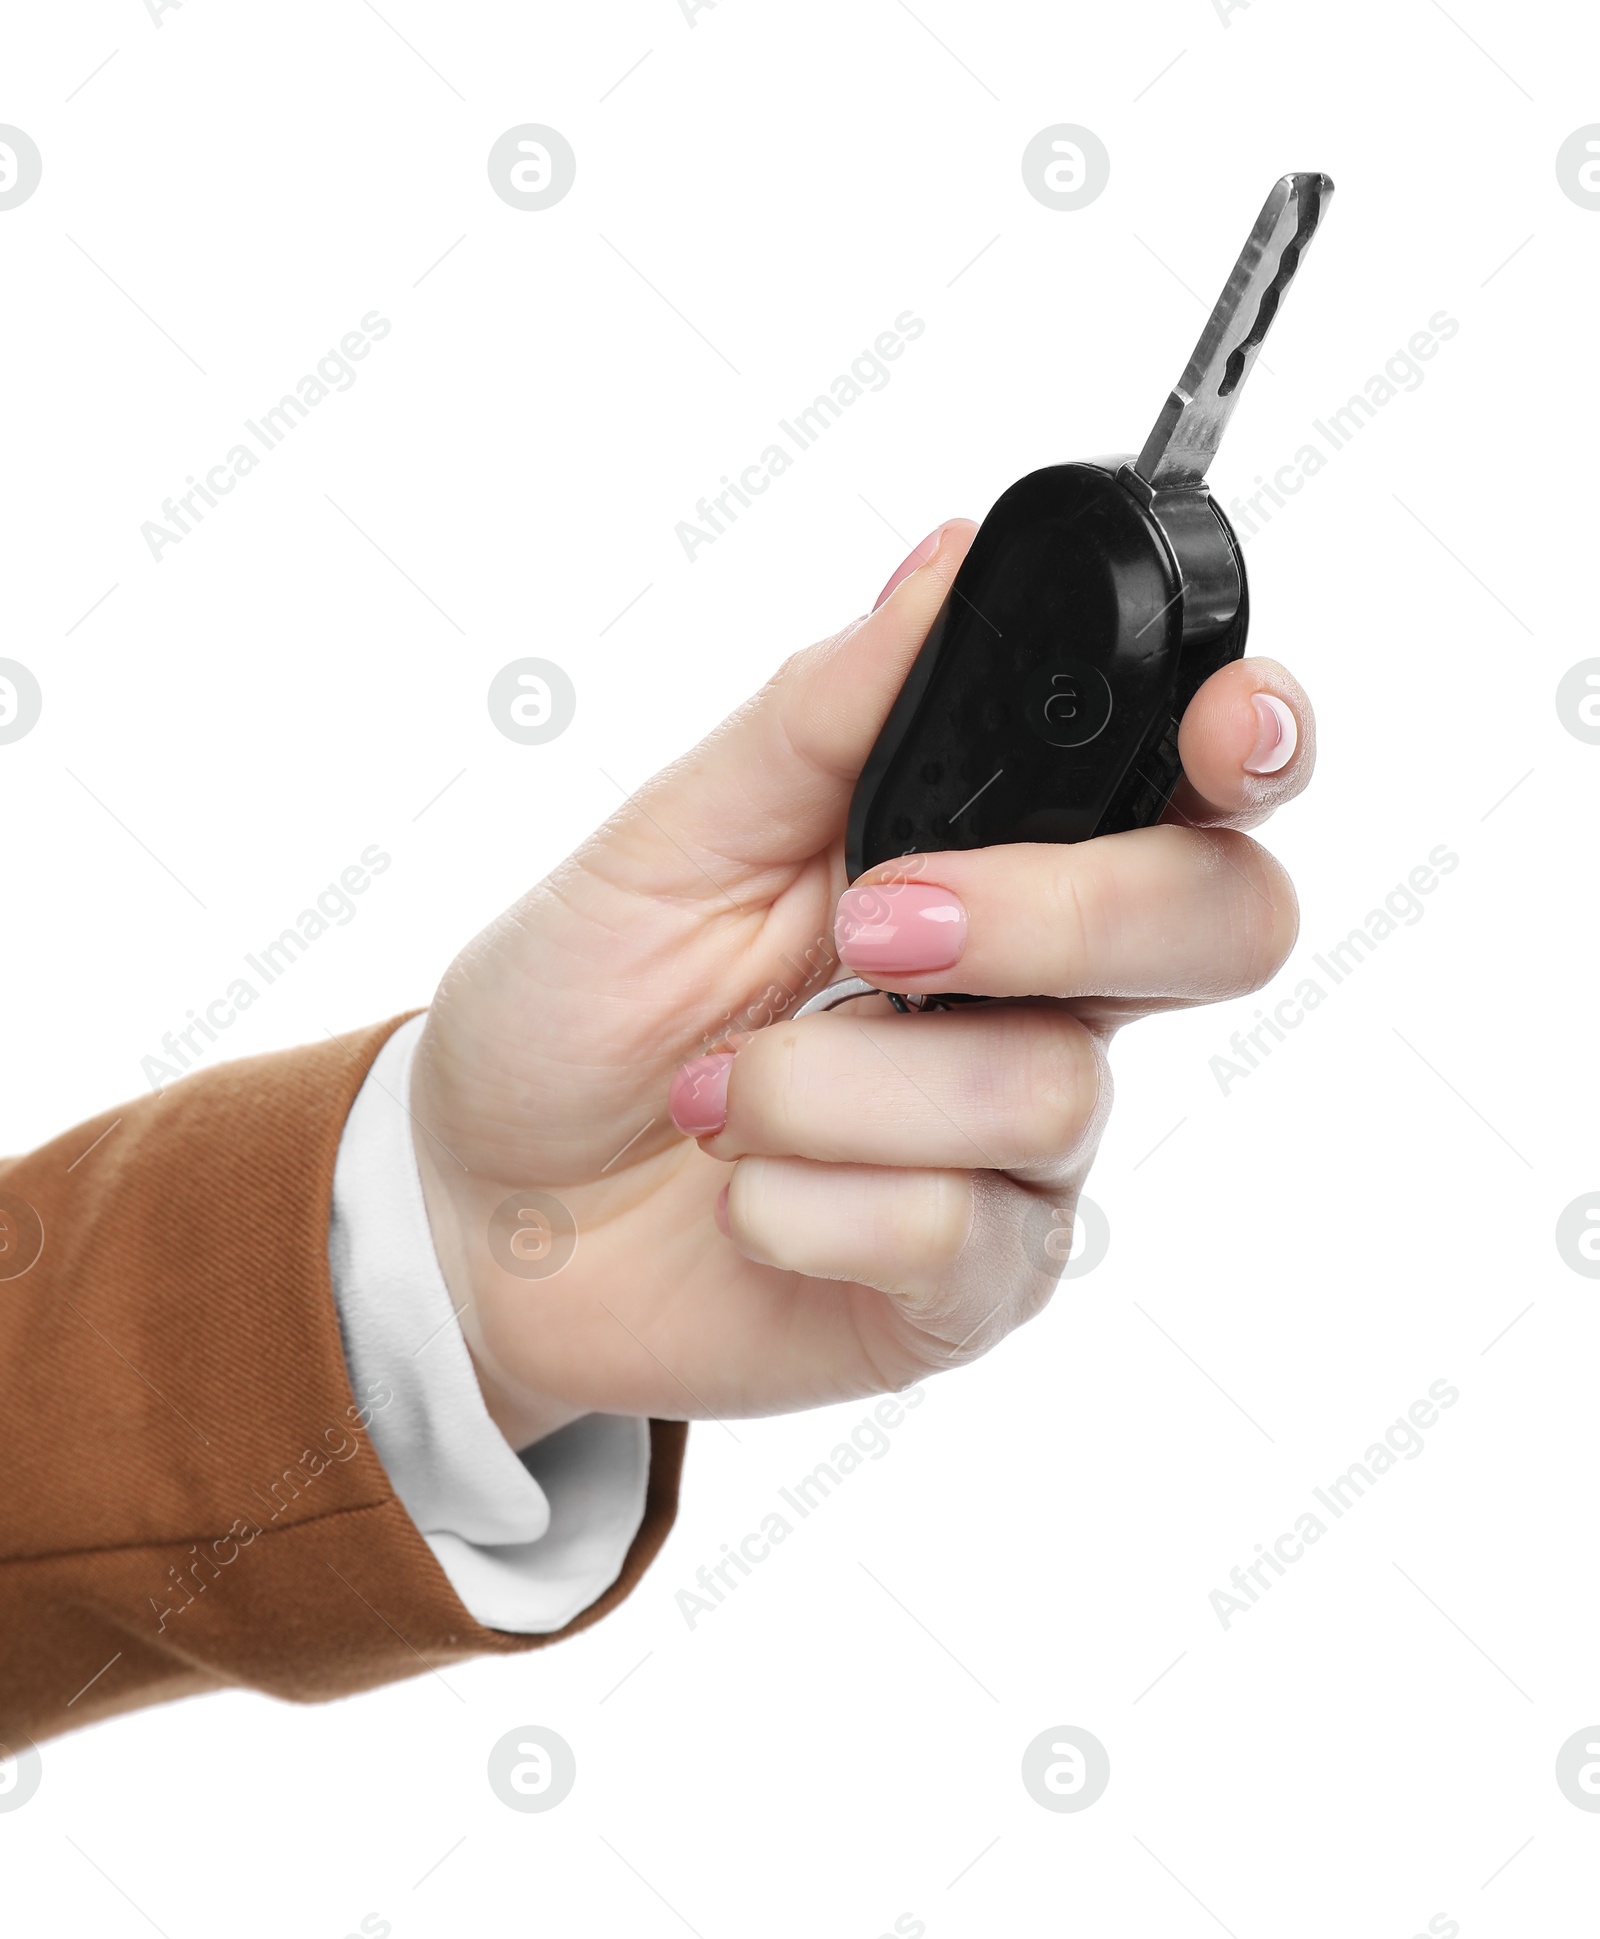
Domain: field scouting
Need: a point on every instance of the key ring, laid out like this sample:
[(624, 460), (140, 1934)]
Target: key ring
[(848, 988)]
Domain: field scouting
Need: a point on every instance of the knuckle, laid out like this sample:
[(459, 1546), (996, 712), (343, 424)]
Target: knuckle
[(1060, 1088), (1276, 918), (1081, 903), (1035, 1291), (1262, 911), (931, 1223)]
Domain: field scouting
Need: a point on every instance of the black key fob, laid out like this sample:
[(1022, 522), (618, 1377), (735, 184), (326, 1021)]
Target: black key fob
[(1097, 597)]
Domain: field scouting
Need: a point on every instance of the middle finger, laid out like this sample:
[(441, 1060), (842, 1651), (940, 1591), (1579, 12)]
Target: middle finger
[(1018, 1088)]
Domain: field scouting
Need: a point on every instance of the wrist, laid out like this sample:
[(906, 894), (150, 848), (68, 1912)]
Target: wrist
[(459, 1207)]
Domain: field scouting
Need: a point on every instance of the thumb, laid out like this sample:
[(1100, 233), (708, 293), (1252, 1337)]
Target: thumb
[(772, 784)]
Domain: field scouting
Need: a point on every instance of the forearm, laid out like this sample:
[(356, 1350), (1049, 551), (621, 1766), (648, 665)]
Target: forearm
[(192, 1498)]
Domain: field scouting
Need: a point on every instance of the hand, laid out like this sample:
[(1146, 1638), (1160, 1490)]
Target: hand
[(845, 1207)]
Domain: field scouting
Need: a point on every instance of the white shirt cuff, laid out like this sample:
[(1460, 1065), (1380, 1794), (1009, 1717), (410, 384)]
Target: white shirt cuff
[(527, 1540)]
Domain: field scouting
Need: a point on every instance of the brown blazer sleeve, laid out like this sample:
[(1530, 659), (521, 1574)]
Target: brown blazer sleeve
[(187, 1498)]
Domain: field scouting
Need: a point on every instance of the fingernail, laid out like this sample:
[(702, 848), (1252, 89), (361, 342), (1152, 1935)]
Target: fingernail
[(905, 927), (1276, 736), (719, 1212), (917, 556), (698, 1099)]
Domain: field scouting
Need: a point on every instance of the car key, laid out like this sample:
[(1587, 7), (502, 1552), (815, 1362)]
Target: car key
[(1096, 599)]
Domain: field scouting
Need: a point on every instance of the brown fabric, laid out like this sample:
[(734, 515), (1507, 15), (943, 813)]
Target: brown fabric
[(175, 1410)]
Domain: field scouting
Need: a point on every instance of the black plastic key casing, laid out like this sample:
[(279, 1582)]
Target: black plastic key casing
[(1044, 704)]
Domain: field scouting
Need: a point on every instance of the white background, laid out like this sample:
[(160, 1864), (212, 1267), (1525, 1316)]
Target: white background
[(1362, 1216)]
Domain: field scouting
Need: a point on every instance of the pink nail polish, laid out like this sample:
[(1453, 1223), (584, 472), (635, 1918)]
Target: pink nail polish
[(917, 556), (1277, 736), (719, 1212), (698, 1099), (903, 928)]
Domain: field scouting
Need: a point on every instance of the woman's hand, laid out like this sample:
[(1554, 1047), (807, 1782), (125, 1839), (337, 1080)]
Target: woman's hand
[(775, 1217)]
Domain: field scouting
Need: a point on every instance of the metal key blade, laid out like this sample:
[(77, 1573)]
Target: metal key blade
[(1185, 437)]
